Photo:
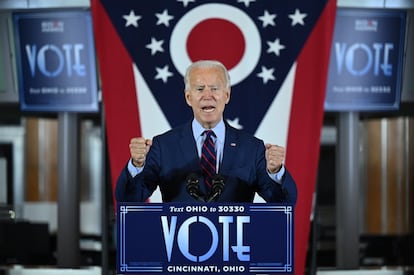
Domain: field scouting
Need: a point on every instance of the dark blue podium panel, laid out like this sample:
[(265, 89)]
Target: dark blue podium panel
[(176, 238)]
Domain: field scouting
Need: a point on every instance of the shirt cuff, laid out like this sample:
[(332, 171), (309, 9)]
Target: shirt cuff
[(278, 176), (133, 170)]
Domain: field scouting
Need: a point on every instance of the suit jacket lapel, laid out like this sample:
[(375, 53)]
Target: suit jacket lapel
[(230, 149), (189, 153)]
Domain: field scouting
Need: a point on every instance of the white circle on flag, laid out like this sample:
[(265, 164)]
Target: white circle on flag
[(179, 36)]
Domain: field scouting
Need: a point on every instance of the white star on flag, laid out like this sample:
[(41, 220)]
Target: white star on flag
[(235, 123), (275, 47), (163, 73), (266, 74), (155, 46), (131, 19), (164, 18), (297, 17), (246, 2), (185, 2), (267, 19)]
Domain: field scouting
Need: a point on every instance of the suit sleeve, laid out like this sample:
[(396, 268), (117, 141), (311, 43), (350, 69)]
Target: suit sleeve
[(270, 190), (289, 188), (131, 189), (140, 187)]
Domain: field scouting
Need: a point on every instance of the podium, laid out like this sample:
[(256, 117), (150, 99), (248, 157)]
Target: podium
[(212, 238)]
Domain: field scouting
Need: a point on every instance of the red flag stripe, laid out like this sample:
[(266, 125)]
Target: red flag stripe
[(304, 133), (117, 88)]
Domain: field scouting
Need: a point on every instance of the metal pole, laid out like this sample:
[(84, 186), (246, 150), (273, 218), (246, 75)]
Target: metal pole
[(104, 203), (68, 250), (347, 192)]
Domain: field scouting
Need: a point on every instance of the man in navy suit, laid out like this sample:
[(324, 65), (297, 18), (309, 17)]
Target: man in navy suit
[(245, 164)]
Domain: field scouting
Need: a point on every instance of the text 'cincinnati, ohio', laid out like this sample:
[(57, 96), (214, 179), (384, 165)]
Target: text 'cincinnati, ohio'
[(205, 268)]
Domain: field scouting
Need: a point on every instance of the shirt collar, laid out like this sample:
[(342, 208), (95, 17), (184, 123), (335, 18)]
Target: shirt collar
[(219, 130)]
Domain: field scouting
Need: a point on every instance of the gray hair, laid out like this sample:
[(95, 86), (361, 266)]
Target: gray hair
[(205, 64)]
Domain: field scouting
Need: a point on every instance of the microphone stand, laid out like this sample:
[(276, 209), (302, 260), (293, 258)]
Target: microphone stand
[(193, 187), (216, 187)]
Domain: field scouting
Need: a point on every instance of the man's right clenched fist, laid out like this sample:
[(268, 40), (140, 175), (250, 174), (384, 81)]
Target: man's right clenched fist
[(139, 148)]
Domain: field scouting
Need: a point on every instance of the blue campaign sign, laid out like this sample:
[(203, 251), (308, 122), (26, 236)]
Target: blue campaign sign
[(56, 61), (176, 238), (366, 61)]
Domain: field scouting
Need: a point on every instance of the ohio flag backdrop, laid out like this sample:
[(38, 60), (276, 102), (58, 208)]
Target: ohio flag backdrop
[(277, 53)]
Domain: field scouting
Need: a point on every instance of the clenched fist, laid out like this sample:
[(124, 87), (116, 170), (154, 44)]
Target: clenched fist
[(275, 156), (139, 148)]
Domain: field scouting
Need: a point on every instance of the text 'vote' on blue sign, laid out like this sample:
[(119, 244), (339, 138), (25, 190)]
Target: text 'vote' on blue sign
[(172, 238), (56, 61), (366, 61)]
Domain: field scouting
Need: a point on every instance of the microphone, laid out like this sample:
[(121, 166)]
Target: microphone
[(217, 187), (193, 187)]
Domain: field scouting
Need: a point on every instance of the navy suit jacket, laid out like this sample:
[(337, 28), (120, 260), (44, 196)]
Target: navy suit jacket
[(173, 156)]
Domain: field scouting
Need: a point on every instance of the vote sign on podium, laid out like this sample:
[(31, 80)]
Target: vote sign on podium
[(213, 238)]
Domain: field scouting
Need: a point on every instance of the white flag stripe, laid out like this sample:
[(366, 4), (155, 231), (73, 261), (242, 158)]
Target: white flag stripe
[(275, 124), (152, 119)]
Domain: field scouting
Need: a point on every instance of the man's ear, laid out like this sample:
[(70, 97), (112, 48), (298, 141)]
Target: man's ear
[(228, 95), (187, 98)]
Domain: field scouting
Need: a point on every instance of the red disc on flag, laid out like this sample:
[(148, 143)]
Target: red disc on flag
[(208, 32), (216, 39)]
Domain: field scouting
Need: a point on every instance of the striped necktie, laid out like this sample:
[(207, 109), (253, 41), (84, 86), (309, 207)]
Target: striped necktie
[(208, 158)]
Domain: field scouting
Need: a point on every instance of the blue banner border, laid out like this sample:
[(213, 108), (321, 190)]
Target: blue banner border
[(256, 268)]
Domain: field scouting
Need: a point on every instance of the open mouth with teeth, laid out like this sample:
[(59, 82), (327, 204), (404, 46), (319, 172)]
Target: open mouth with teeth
[(208, 109)]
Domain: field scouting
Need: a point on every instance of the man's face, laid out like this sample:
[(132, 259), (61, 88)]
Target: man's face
[(207, 95)]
